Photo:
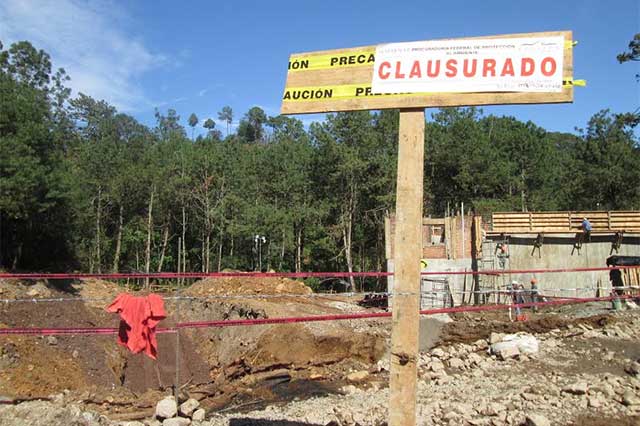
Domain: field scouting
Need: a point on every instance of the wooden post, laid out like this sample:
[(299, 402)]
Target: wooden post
[(407, 254)]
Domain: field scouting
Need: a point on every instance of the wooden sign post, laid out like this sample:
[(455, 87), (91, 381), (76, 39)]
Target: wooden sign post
[(408, 249), (508, 69)]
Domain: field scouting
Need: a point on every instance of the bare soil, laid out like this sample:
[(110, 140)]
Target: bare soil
[(222, 365)]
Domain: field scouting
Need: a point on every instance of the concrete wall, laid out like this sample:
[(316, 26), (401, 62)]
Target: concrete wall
[(434, 283), (556, 252)]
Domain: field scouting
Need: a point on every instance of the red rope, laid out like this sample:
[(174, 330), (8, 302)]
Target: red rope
[(171, 275), (315, 318)]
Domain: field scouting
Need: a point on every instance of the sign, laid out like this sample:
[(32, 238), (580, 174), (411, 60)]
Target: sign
[(506, 69), (531, 64)]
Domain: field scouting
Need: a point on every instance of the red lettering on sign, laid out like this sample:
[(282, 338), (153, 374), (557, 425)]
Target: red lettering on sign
[(415, 70), (398, 73), (489, 66), (552, 66), (451, 68), (381, 73), (469, 72), (507, 68), (433, 73), (527, 67)]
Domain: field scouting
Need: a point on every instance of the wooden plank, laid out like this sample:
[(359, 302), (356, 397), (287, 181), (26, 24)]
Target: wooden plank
[(432, 221), (361, 75), (406, 300)]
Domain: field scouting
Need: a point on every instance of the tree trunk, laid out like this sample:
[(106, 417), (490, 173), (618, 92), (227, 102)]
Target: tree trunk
[(98, 231), (208, 252), (16, 258), (179, 256), (165, 240), (1, 239), (220, 249), (523, 197), (299, 249), (184, 233), (346, 238), (116, 256), (149, 234), (202, 255), (281, 251)]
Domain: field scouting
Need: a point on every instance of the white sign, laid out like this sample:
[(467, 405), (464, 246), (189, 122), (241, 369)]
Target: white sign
[(471, 65)]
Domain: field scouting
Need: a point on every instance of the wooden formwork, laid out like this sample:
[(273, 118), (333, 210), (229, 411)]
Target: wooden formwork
[(567, 221)]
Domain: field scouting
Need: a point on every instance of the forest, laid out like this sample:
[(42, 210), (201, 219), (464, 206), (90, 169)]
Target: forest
[(84, 187)]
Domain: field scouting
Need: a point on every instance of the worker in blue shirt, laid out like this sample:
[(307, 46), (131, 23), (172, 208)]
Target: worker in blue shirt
[(586, 227)]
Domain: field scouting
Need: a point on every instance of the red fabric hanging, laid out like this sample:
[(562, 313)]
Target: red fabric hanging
[(139, 318)]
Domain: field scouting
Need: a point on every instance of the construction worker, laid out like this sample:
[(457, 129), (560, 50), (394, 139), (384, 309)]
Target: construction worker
[(535, 295), (586, 228), (516, 296)]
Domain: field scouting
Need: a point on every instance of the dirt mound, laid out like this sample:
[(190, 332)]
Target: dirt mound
[(98, 292), (243, 286), (15, 289), (470, 327)]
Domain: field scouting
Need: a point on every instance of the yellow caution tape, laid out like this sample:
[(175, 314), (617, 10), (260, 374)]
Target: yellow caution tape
[(581, 83), (356, 58), (358, 91)]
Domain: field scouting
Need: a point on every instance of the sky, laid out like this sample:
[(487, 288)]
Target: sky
[(199, 56)]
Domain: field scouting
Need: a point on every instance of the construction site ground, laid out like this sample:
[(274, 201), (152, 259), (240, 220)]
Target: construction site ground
[(318, 373)]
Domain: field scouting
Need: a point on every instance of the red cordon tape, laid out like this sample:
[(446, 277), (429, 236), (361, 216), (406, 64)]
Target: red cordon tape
[(170, 275), (285, 320)]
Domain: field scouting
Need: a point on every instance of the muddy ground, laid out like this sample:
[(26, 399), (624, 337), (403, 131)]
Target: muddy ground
[(250, 371)]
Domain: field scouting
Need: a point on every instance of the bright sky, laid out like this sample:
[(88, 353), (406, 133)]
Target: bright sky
[(198, 56)]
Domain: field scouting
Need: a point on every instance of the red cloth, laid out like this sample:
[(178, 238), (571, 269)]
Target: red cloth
[(139, 318)]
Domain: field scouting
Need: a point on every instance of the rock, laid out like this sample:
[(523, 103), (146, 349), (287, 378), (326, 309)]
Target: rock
[(198, 415), (188, 407), (629, 398), (438, 353), (578, 388), (349, 389), (481, 344), (358, 376), (75, 354), (167, 408), (465, 410), (177, 421), (52, 340), (604, 388), (153, 422), (456, 363), (474, 359), (537, 420), (594, 402), (492, 409), (134, 423), (436, 365), (528, 396), (33, 292), (633, 368), (451, 415), (505, 350), (495, 338), (479, 422), (383, 364)]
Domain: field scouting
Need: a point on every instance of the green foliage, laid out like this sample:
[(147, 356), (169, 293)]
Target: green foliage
[(226, 115), (83, 186), (633, 54)]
